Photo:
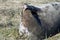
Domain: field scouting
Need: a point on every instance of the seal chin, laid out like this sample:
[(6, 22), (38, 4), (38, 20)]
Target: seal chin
[(23, 30)]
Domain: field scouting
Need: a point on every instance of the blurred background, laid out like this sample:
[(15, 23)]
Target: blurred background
[(10, 18)]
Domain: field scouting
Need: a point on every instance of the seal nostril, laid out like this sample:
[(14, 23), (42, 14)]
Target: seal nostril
[(25, 6)]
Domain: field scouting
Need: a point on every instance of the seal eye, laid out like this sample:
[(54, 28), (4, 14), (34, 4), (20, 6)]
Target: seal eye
[(54, 4)]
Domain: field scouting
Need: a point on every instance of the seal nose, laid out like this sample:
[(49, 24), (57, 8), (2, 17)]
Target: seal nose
[(25, 6)]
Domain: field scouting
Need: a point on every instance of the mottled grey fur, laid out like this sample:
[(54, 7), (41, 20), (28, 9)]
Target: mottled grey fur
[(42, 21)]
